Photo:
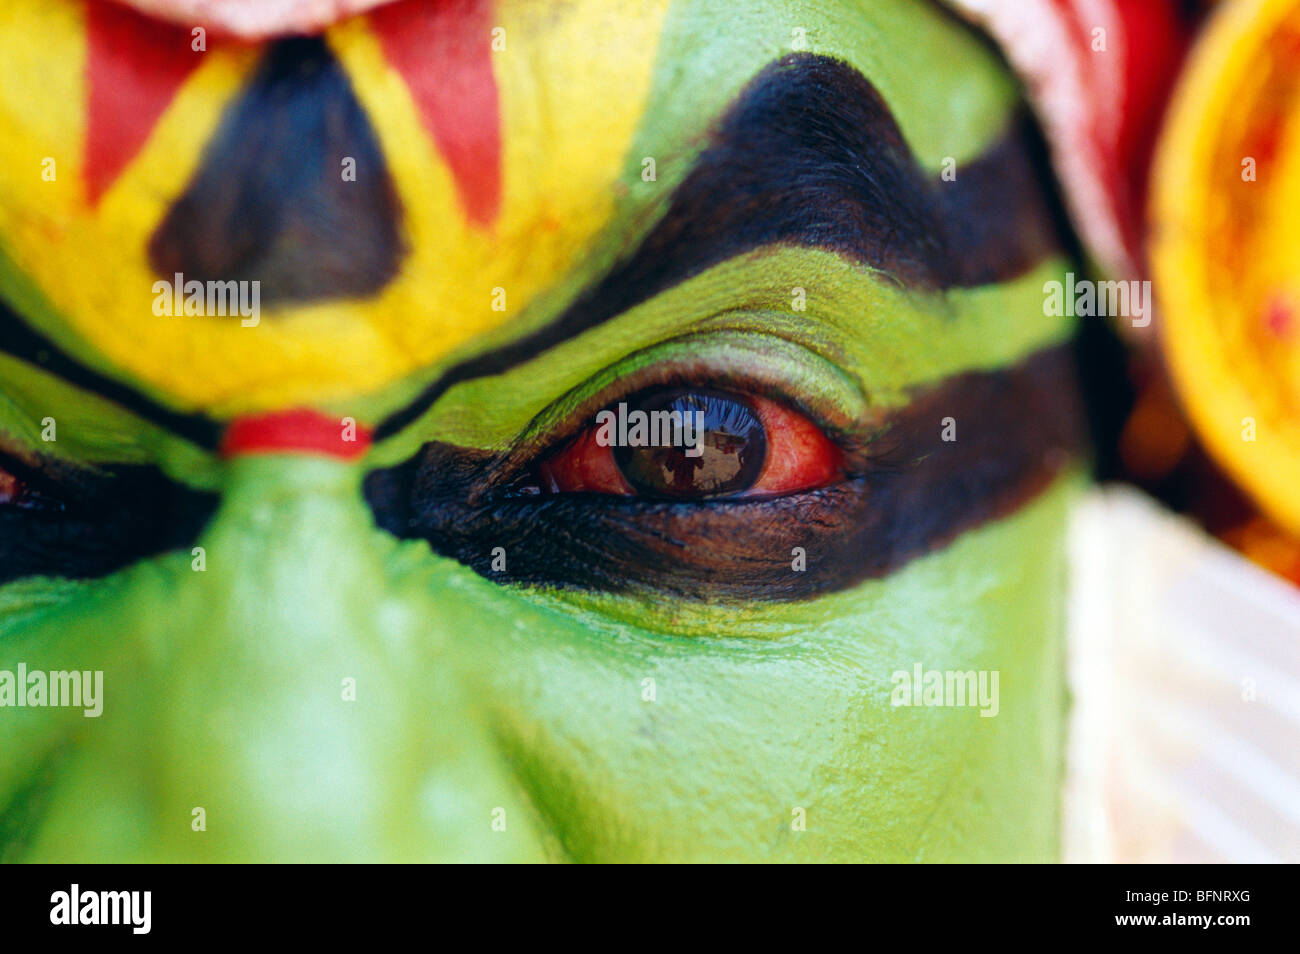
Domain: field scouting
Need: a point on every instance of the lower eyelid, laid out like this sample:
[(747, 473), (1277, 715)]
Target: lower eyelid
[(92, 521)]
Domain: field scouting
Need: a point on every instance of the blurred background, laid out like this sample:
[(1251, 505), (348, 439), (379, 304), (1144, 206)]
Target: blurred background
[(1174, 128)]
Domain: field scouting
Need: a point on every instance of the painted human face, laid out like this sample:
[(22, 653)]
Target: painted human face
[(361, 580)]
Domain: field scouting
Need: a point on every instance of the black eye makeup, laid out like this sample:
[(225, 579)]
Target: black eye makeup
[(81, 522), (574, 511)]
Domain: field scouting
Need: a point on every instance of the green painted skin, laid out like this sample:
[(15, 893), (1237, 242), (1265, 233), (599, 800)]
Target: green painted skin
[(223, 687)]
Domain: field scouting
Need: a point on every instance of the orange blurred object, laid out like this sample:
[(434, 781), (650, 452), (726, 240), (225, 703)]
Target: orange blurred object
[(1269, 546)]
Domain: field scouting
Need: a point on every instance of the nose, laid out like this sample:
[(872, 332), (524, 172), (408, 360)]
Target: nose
[(294, 698)]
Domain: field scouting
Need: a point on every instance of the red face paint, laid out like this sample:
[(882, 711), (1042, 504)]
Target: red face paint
[(443, 50), (299, 431), (134, 65), (1280, 318)]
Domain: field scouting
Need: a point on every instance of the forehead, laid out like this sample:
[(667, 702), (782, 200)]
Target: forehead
[(419, 183)]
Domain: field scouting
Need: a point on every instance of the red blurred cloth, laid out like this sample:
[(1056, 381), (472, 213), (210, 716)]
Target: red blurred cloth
[(1098, 73)]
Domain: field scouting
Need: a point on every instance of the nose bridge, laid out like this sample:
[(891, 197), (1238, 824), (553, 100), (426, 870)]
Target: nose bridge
[(309, 701)]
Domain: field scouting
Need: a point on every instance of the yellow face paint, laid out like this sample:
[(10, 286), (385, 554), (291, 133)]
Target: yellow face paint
[(1226, 248), (458, 280)]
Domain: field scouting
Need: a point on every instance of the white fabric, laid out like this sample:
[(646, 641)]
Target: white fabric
[(1185, 673)]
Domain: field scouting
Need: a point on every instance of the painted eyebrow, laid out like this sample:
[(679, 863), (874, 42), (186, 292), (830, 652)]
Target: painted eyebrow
[(18, 340), (810, 155)]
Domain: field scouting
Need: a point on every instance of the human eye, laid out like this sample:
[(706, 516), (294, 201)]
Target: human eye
[(59, 519), (693, 442), (800, 488)]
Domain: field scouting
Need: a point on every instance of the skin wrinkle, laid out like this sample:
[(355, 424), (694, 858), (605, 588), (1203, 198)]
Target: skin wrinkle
[(923, 830), (205, 432), (19, 814), (767, 365), (884, 340)]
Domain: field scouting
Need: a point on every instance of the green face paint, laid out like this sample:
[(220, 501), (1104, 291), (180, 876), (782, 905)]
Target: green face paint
[(415, 654), (599, 735)]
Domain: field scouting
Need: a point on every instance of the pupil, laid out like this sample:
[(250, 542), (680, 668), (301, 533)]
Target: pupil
[(731, 439)]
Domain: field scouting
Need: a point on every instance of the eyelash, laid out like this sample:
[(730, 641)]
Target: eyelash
[(905, 492)]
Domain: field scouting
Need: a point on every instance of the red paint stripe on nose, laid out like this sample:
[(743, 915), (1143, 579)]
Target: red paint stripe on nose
[(296, 432)]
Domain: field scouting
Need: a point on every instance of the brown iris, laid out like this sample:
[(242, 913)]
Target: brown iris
[(721, 450), (738, 445)]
